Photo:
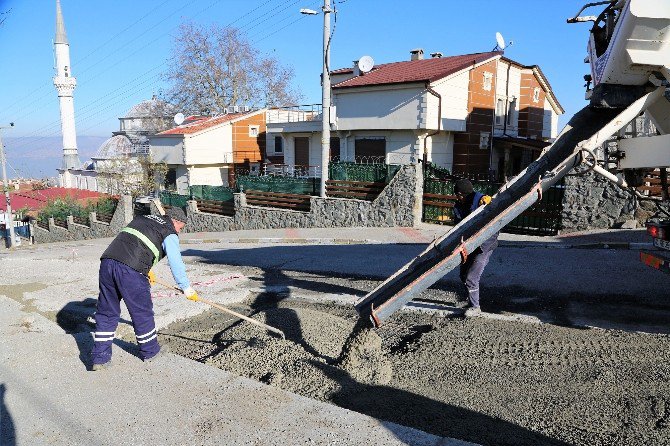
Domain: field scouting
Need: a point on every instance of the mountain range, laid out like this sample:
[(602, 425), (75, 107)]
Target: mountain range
[(39, 157)]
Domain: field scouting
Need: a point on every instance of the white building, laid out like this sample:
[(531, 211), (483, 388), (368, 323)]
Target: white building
[(116, 168), (207, 150), (465, 113)]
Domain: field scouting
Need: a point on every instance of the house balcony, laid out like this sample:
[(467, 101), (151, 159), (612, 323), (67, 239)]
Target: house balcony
[(294, 119)]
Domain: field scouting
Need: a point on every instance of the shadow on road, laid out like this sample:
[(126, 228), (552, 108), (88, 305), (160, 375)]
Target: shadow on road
[(435, 417), (75, 318), (7, 429), (378, 261)]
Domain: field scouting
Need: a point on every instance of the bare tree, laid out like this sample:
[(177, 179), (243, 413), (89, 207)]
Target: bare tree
[(217, 67)]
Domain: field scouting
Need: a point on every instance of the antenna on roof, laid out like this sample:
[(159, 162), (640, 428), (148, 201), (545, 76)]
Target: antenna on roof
[(179, 118), (365, 64), (500, 43)]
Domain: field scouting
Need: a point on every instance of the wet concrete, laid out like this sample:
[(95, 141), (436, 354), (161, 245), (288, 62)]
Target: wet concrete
[(489, 381)]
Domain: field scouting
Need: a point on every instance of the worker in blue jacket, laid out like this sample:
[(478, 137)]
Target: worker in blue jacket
[(125, 274), (471, 270)]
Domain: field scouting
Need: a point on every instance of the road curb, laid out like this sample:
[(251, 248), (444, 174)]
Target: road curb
[(633, 246), (283, 241)]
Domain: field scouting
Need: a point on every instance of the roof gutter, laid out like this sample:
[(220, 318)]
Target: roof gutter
[(439, 124)]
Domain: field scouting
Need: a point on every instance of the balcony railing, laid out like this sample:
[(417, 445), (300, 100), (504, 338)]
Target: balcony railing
[(296, 113), (285, 170)]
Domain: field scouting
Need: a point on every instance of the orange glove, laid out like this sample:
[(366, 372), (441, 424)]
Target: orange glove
[(486, 199), (152, 278)]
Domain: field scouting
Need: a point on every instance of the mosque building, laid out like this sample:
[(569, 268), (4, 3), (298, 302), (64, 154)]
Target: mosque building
[(116, 167)]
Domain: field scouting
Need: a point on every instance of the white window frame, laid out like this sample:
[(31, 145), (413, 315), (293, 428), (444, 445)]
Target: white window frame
[(487, 81), (499, 112), (256, 128), (283, 143), (536, 95), (511, 112), (484, 138)]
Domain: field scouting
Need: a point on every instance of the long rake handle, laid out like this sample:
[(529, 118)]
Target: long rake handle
[(229, 311)]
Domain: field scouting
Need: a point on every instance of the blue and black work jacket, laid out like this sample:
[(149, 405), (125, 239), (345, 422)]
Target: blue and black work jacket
[(140, 244), (462, 210)]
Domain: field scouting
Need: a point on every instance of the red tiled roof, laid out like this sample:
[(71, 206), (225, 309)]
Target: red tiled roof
[(37, 199), (201, 123), (425, 70)]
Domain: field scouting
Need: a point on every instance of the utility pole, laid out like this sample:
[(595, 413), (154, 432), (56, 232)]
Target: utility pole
[(10, 218), (325, 93), (325, 103)]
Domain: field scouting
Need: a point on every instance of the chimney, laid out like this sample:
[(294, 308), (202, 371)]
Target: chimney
[(416, 54), (357, 71), (436, 55)]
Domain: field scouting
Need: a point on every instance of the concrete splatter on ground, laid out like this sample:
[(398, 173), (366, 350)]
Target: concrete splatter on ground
[(487, 381)]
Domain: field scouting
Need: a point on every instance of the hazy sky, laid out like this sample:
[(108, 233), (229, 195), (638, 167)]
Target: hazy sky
[(119, 48)]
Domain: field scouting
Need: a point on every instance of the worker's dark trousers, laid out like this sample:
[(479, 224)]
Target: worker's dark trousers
[(118, 281), (471, 272)]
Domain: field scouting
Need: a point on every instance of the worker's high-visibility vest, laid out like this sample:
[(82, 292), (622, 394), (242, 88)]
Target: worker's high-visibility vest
[(140, 244)]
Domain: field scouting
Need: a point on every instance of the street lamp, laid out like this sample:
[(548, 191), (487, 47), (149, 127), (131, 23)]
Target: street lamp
[(325, 93), (10, 218)]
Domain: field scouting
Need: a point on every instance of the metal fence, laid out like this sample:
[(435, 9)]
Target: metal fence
[(543, 218), (214, 193), (174, 199), (285, 182), (287, 185), (348, 171)]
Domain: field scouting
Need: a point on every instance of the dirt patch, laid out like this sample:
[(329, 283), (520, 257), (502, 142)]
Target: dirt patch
[(481, 380), (17, 292)]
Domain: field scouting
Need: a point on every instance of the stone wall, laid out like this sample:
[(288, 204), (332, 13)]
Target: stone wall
[(97, 229), (592, 202), (398, 205)]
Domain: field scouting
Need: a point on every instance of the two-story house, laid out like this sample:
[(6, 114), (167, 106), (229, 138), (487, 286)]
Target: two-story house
[(208, 150), (476, 114)]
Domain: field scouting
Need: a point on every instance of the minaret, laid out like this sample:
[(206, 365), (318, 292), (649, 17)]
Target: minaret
[(65, 83)]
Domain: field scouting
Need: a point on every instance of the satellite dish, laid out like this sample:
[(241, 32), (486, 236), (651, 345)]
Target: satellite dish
[(179, 118), (500, 41), (365, 64)]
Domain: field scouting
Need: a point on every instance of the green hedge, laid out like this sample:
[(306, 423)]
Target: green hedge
[(61, 208)]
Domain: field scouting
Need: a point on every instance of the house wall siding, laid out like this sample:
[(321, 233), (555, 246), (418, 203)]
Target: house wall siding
[(249, 149), (550, 122), (168, 150), (397, 108), (211, 175), (454, 93), (507, 92), (211, 146), (468, 158), (531, 113)]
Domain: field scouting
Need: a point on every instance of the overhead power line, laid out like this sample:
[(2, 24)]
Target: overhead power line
[(287, 3)]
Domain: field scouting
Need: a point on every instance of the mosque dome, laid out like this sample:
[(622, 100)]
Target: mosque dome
[(118, 146), (152, 108)]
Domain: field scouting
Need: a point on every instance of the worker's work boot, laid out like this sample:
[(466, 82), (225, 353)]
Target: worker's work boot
[(473, 312), (99, 367)]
